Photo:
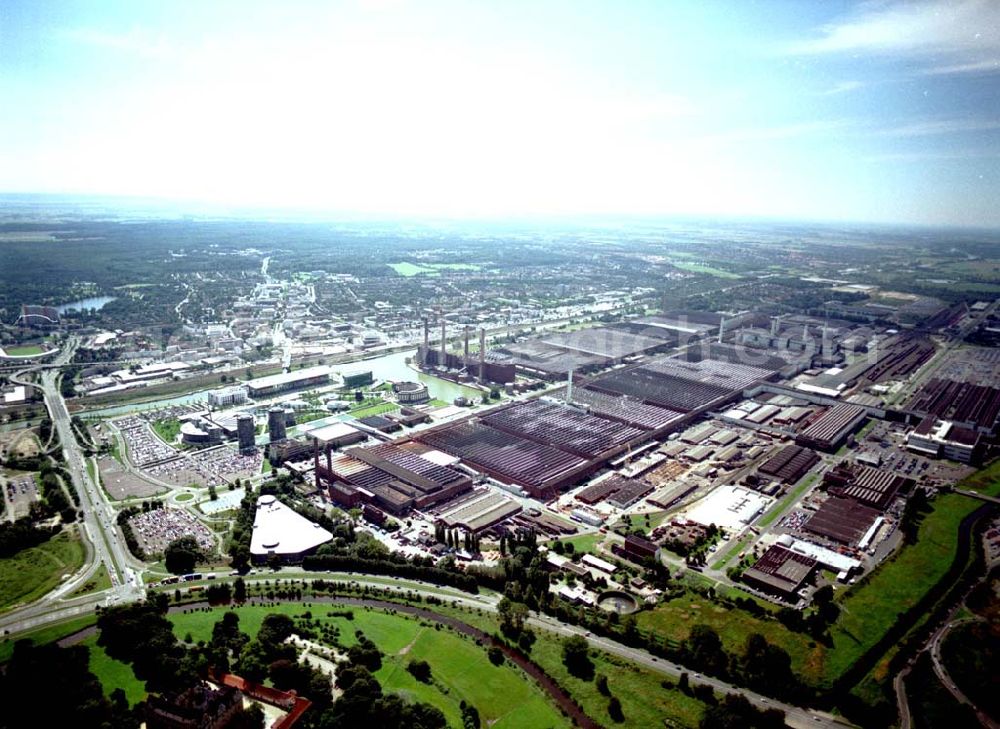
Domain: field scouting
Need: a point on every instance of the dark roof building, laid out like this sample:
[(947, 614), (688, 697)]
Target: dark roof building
[(831, 428), (842, 520), (789, 464), (640, 547), (780, 572)]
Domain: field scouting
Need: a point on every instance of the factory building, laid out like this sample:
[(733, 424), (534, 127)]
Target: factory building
[(227, 396), (282, 382), (391, 477), (944, 439), (780, 572), (831, 428)]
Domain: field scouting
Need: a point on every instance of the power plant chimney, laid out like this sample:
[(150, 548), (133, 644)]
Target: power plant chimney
[(569, 387), (482, 356), (774, 325), (465, 353), (316, 462), (427, 340), (444, 344), (722, 328)]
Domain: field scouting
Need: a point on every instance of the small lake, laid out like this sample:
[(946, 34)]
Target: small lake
[(94, 302)]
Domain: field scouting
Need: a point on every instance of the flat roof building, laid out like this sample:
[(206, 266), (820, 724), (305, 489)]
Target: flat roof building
[(284, 381), (281, 531), (780, 571)]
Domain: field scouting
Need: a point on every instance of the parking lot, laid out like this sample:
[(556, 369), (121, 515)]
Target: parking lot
[(19, 491)]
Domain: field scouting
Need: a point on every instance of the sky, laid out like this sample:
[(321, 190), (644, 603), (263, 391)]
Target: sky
[(829, 110)]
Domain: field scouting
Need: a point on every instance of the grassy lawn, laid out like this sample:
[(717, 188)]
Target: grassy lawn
[(378, 409), (184, 497), (113, 673), (409, 269), (583, 542), (674, 619), (33, 572), (733, 551), (168, 429), (645, 703), (41, 636), (779, 508), (99, 581), (461, 671), (24, 350)]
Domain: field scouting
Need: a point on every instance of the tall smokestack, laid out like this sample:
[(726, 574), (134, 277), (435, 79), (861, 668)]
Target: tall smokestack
[(569, 387), (722, 328), (465, 354), (316, 462), (774, 326), (482, 356), (444, 344), (427, 339), (827, 345)]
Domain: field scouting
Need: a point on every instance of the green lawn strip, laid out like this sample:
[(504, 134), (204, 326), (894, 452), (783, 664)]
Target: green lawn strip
[(583, 542), (100, 580), (33, 572), (186, 496), (454, 266), (460, 668), (49, 633), (645, 703), (24, 351), (379, 409), (673, 619), (868, 610), (113, 674), (986, 480), (779, 508), (733, 551)]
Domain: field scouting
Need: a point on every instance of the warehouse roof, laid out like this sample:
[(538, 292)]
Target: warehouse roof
[(284, 378), (279, 529)]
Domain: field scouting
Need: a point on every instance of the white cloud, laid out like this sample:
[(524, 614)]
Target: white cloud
[(941, 126), (965, 32), (843, 87)]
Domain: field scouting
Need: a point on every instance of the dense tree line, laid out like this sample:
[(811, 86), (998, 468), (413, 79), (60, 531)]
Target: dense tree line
[(49, 686), (22, 534)]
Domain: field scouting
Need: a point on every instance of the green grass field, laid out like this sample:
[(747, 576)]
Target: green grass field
[(184, 497), (113, 673), (674, 619), (583, 542), (24, 351), (41, 636), (377, 409), (645, 703), (99, 581), (168, 429), (461, 671), (31, 573)]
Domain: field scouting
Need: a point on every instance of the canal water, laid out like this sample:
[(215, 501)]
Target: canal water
[(387, 367), (394, 367)]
